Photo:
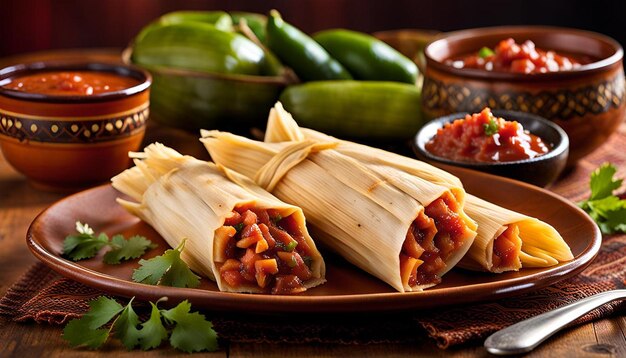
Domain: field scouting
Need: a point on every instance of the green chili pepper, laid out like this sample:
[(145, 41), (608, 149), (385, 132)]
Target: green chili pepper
[(366, 57), (197, 46), (300, 52), (220, 19), (372, 110)]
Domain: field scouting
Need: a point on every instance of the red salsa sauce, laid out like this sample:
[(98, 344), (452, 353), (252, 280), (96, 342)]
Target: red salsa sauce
[(509, 56), (71, 83), (483, 137)]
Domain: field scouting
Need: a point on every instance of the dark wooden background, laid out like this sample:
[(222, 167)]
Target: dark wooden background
[(32, 25)]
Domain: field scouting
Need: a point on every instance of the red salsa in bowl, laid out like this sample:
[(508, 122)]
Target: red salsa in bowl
[(483, 137), (509, 56), (71, 83)]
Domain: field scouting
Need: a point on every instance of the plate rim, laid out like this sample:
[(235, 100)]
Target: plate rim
[(349, 303)]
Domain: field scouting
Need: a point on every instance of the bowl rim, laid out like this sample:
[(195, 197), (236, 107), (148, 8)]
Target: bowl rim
[(9, 72), (461, 35), (560, 147)]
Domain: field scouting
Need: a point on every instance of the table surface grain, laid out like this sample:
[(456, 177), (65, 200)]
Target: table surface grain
[(20, 203)]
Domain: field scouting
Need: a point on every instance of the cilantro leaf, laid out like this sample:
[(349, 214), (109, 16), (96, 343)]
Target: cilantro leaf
[(86, 245), (614, 221), (606, 209), (78, 333), (192, 333), (602, 183), (126, 249), (152, 332), (86, 331), (83, 246), (491, 128), (168, 269), (125, 327)]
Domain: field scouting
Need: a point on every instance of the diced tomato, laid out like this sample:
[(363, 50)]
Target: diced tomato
[(410, 246), (233, 219), (262, 216), (249, 218), (301, 269), (261, 246), (233, 278), (288, 284), (267, 236), (247, 261), (250, 235), (230, 265)]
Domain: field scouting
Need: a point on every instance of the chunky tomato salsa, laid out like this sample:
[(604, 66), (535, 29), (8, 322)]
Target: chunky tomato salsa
[(483, 137), (71, 83), (259, 248), (436, 233), (509, 56)]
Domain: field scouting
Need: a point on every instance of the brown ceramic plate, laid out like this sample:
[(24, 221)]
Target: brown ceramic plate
[(348, 289)]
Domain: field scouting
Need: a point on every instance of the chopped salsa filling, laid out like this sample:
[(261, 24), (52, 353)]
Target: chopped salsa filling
[(259, 248), (483, 137), (506, 249), (509, 56), (434, 235)]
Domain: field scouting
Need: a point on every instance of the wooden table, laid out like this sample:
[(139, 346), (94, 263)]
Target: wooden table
[(20, 203)]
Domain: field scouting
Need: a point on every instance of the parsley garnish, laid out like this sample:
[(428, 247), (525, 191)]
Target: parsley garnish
[(168, 270), (86, 245), (606, 209), (190, 332), (491, 128), (239, 227), (485, 52)]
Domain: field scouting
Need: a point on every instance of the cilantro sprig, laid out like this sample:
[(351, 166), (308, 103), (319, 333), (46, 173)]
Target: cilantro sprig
[(606, 209), (491, 127), (187, 331), (168, 270), (85, 244)]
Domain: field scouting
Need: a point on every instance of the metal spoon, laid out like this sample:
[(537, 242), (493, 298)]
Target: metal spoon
[(524, 336)]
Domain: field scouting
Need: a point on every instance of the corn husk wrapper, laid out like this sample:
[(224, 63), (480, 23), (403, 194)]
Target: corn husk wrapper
[(541, 244), (360, 209), (182, 197)]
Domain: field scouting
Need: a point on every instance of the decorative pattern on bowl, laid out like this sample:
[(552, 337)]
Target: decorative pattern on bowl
[(74, 130), (67, 143), (563, 104)]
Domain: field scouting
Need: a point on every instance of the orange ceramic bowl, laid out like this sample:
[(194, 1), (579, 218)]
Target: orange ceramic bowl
[(587, 102), (69, 142)]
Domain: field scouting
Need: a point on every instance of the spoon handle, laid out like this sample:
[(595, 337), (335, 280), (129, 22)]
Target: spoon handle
[(526, 335)]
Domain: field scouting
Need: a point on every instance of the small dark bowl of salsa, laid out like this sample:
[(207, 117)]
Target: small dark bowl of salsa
[(512, 144)]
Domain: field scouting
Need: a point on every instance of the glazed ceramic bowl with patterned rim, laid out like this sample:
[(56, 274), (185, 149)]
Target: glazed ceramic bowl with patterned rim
[(587, 102), (69, 142)]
